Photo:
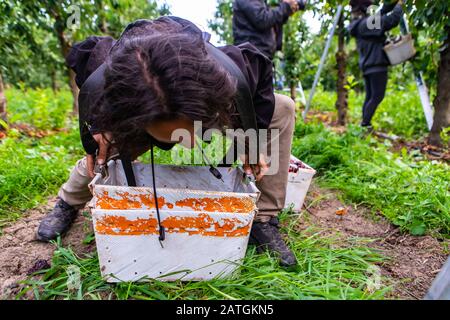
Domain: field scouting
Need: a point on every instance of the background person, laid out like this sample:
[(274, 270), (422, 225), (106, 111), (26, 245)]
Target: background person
[(373, 61), (256, 22)]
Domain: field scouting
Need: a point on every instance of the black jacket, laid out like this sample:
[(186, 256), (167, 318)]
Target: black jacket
[(255, 22), (371, 40), (86, 59)]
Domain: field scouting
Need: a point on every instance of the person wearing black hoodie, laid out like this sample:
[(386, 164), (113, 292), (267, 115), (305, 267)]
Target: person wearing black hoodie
[(370, 35), (256, 22)]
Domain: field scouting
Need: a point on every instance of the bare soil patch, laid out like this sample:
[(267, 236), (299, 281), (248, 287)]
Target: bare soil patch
[(412, 262), (21, 254)]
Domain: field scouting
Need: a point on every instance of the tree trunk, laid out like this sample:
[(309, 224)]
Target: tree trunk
[(103, 25), (293, 88), (65, 47), (341, 64), (53, 77), (442, 101), (2, 101)]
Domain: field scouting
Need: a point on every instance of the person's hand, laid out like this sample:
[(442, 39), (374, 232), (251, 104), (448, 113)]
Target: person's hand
[(400, 2), (257, 170), (103, 141), (293, 4)]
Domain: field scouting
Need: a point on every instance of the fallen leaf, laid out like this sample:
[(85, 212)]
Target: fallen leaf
[(341, 211)]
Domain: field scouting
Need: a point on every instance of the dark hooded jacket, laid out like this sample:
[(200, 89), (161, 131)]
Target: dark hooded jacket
[(255, 22), (87, 57), (371, 39)]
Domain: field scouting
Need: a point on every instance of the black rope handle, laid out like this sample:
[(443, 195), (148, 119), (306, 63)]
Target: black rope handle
[(162, 231)]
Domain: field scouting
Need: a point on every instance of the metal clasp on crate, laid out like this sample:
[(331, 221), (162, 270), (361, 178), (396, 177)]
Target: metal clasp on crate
[(101, 169)]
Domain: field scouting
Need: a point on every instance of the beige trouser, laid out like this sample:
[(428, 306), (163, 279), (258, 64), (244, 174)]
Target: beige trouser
[(273, 188)]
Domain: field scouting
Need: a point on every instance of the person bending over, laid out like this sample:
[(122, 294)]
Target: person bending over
[(162, 75)]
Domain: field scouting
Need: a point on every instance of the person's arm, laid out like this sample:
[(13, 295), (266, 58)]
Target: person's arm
[(263, 95), (390, 21), (388, 7), (261, 17), (387, 22)]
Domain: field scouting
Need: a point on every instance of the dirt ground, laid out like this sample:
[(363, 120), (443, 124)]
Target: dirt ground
[(21, 254), (412, 264)]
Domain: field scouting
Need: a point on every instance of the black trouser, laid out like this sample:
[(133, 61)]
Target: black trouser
[(375, 90)]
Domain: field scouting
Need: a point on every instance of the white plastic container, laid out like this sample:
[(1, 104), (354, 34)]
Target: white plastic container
[(400, 51), (298, 184), (207, 223)]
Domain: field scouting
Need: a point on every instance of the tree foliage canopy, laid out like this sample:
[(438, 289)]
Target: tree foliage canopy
[(30, 47)]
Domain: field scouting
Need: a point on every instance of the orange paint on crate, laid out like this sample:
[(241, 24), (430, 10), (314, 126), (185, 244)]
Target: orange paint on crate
[(223, 204), (117, 225), (125, 200), (203, 224)]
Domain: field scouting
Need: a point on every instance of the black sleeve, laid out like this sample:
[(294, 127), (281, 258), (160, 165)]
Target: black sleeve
[(259, 71), (388, 22), (392, 20), (90, 94), (261, 17), (162, 145), (86, 56), (388, 7)]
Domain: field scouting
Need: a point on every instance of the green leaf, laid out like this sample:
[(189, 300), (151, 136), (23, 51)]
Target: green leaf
[(418, 230)]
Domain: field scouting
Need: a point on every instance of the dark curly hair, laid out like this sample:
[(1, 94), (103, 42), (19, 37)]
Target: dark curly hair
[(162, 75)]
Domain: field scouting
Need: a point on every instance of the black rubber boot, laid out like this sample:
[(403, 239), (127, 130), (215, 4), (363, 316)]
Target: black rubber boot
[(266, 236), (57, 222)]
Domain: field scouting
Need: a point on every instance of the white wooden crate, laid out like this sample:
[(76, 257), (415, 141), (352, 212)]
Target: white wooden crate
[(298, 186), (207, 223)]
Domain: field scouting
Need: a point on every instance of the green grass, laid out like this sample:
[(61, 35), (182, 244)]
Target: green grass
[(32, 169), (413, 194), (400, 112), (326, 271), (40, 108)]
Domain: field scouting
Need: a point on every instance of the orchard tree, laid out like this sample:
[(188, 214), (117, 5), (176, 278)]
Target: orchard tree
[(327, 11), (39, 35), (2, 103), (56, 17), (341, 61), (431, 26), (295, 36), (223, 21), (114, 15), (14, 31)]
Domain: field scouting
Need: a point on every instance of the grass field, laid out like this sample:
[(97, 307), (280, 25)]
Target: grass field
[(325, 271), (413, 194), (400, 113)]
